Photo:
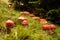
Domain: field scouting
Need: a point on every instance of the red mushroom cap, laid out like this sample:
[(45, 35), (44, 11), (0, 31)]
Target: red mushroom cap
[(45, 27), (9, 24), (52, 26), (25, 22)]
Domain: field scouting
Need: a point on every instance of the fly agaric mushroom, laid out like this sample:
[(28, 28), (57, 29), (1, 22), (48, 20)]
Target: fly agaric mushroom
[(36, 18), (25, 13), (9, 24), (43, 21), (52, 26), (31, 15), (45, 27), (25, 23), (51, 29)]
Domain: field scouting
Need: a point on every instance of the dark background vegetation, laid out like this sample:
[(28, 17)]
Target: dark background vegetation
[(48, 9)]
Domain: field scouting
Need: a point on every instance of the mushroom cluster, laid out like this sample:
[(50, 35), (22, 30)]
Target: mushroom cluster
[(24, 21)]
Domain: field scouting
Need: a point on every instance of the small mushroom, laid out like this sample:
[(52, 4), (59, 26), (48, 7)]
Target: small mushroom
[(25, 23), (36, 18), (9, 24), (51, 29), (24, 13), (31, 15), (52, 26), (22, 18), (43, 21), (45, 27)]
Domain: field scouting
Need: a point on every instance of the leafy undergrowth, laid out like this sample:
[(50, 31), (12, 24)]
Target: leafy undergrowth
[(19, 32)]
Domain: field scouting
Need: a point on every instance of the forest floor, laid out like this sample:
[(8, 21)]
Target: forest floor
[(20, 32)]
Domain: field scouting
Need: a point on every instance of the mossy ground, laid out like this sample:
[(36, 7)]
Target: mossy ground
[(19, 32)]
